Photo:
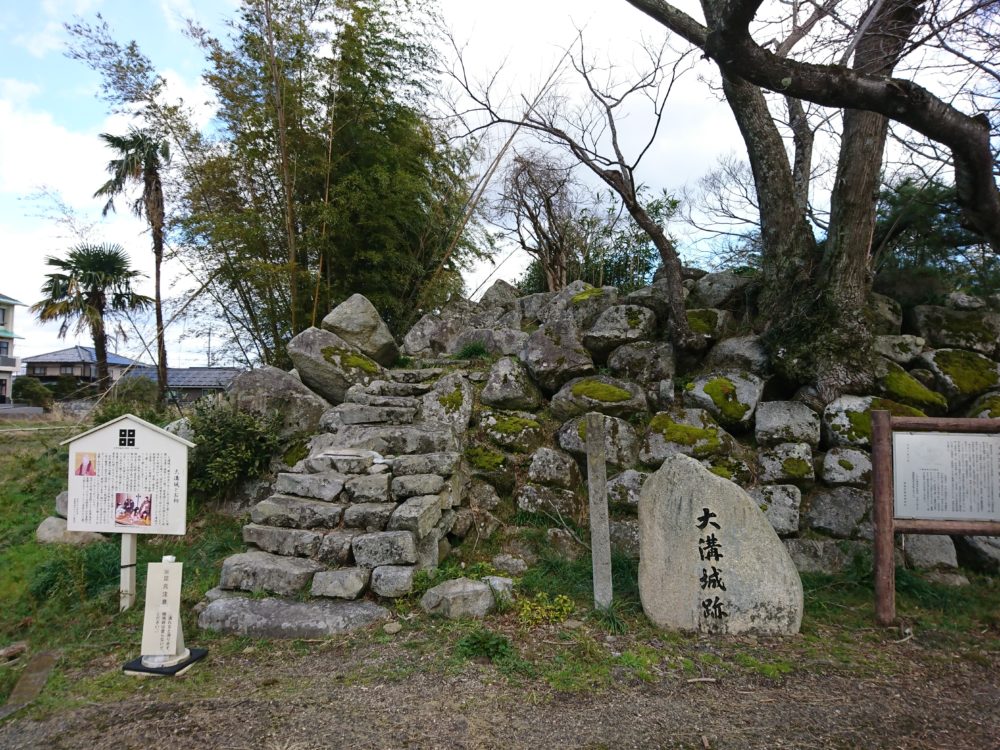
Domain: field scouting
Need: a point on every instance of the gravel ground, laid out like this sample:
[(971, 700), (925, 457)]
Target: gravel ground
[(384, 696)]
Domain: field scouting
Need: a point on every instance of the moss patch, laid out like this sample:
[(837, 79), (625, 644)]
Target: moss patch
[(633, 317), (991, 406), (586, 294), (968, 327), (350, 360), (721, 471), (722, 391), (796, 468), (861, 421), (703, 321), (901, 386), (599, 391), (845, 464), (451, 402), (703, 440), (971, 373), (295, 453), (509, 424), (484, 458)]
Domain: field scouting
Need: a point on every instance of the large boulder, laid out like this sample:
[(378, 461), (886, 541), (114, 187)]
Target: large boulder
[(847, 466), (730, 396), (53, 530), (961, 375), (691, 432), (358, 323), (739, 353), (268, 390), (458, 598), (554, 354), (509, 386), (886, 314), (895, 383), (329, 365), (619, 324), (839, 512), (780, 504), (553, 468), (514, 430), (600, 393), (621, 444), (710, 561), (580, 301), (724, 289), (501, 294), (279, 618), (979, 553), (786, 463), (943, 328), (655, 297), (847, 420), (449, 402), (901, 349), (786, 422), (645, 362)]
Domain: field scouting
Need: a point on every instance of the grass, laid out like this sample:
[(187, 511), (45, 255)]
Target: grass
[(66, 599)]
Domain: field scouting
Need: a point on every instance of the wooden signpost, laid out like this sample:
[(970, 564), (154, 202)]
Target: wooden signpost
[(127, 477), (930, 476)]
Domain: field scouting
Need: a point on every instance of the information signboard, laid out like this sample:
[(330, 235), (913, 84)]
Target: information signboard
[(128, 477), (946, 475)]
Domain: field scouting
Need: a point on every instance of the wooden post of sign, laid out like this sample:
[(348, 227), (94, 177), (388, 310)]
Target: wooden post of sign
[(126, 594), (882, 490), (600, 536)]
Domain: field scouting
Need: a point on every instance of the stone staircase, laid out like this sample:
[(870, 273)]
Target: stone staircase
[(372, 503)]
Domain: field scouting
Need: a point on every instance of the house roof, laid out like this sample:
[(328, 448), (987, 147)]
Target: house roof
[(80, 354), (143, 422), (191, 377), (5, 300), (8, 334)]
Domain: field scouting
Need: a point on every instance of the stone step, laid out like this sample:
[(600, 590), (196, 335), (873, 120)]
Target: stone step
[(343, 460), (443, 464), (368, 517), (330, 547), (261, 571), (416, 376), (279, 618), (297, 512), (389, 440), (394, 389), (324, 485), (353, 413), (358, 394)]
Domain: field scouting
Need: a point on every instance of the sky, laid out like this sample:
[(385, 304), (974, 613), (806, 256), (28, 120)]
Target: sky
[(51, 117)]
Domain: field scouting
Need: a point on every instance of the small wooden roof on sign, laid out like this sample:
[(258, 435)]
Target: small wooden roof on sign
[(143, 422)]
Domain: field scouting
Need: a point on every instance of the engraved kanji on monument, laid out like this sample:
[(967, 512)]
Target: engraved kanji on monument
[(709, 561)]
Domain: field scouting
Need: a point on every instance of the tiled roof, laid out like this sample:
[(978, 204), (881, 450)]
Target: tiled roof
[(77, 355), (192, 377), (5, 300)]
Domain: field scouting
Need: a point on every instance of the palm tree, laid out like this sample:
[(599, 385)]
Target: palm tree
[(93, 284), (141, 154)]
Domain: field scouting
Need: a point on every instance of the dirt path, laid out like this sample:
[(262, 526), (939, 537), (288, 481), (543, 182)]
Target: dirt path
[(382, 696)]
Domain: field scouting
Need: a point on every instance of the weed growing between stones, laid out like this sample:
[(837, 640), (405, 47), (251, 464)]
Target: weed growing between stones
[(473, 350)]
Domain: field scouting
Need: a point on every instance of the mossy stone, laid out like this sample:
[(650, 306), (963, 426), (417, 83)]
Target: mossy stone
[(704, 440), (451, 402), (845, 464), (484, 458), (703, 321), (861, 421), (598, 391), (586, 294), (722, 391), (295, 453), (971, 373), (903, 387), (349, 359), (509, 424), (796, 468)]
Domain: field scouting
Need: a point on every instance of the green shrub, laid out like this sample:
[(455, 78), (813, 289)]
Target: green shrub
[(231, 445), (473, 350), (483, 643), (31, 391)]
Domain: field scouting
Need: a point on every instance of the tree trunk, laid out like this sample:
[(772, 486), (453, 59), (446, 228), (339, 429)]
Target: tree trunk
[(100, 352), (155, 214)]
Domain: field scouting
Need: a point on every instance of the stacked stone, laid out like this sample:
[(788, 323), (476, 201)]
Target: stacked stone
[(348, 518)]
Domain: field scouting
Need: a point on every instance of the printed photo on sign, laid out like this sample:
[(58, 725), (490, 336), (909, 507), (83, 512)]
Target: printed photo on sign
[(86, 464), (133, 509)]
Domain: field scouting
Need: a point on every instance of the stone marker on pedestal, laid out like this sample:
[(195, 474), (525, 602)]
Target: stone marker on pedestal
[(710, 561)]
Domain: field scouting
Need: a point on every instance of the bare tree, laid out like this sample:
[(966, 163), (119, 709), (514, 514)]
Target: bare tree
[(590, 132), (819, 332), (539, 208)]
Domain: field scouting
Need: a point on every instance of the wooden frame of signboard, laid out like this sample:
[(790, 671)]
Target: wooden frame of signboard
[(883, 486)]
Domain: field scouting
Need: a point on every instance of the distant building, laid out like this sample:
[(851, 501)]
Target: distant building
[(188, 384), (77, 361), (9, 364)]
